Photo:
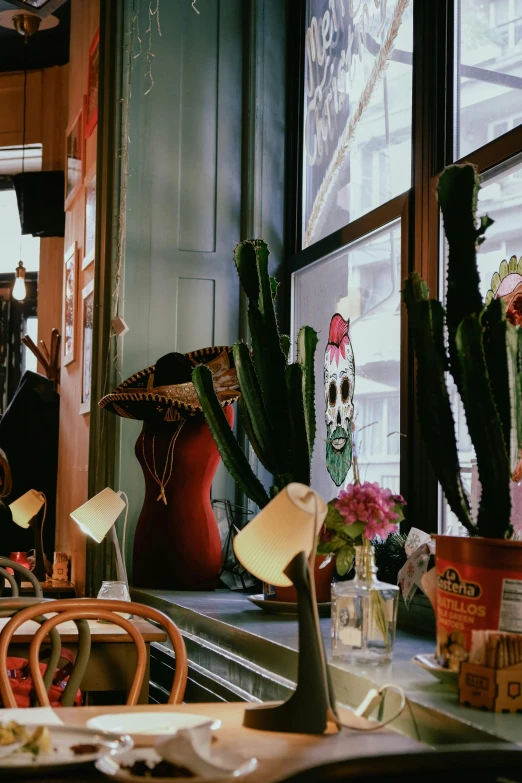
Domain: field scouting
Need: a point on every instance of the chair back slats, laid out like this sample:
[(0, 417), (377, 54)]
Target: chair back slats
[(26, 575), (4, 574), (78, 609)]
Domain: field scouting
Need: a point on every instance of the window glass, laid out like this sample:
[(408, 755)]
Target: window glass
[(500, 198), (488, 71), (15, 247), (357, 117), (352, 299)]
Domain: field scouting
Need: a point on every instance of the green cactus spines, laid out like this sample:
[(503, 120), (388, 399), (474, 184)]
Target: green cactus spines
[(299, 453), (426, 317), (232, 455), (276, 403), (484, 356), (457, 191), (265, 437), (306, 345), (499, 359), (484, 428)]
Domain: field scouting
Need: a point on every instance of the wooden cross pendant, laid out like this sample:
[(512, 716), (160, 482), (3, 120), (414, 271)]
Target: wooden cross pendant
[(162, 496)]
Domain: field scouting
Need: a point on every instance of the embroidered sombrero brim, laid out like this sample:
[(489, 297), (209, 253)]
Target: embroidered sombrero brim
[(139, 398)]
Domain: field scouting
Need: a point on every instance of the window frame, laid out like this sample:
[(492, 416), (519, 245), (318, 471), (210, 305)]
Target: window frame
[(433, 129)]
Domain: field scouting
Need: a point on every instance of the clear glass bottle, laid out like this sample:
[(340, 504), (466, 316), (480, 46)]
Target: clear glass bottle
[(115, 591), (364, 613)]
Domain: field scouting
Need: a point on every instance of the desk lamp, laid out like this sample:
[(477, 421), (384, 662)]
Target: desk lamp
[(278, 547), (97, 518), (25, 512)]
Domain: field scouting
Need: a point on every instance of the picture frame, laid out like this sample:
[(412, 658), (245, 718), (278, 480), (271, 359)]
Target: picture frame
[(70, 275), (91, 98), (73, 159), (90, 217), (87, 334)]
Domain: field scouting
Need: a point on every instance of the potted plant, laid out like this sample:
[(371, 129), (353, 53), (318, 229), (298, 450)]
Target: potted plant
[(276, 406), (479, 577)]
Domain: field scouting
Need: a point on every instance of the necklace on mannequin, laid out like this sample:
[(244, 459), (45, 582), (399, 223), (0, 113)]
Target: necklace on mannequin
[(169, 461)]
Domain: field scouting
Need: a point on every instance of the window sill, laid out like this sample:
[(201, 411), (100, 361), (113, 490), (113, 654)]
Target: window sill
[(252, 656)]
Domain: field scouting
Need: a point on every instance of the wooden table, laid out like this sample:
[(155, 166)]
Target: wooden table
[(112, 662), (52, 588), (278, 754)]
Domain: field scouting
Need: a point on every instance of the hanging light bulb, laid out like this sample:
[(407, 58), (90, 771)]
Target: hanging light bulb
[(19, 291)]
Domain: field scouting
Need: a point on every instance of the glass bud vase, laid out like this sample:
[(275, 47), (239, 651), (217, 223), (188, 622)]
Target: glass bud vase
[(364, 613), (117, 591)]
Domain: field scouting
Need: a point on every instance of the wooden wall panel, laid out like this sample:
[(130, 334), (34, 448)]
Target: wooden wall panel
[(74, 428), (12, 103)]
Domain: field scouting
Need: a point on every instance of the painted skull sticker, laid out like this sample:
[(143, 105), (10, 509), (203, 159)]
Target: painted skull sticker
[(339, 382)]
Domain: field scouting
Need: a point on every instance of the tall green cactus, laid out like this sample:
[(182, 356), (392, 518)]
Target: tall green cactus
[(277, 399), (484, 353)]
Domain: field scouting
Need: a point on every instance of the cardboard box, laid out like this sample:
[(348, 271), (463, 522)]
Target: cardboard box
[(496, 690)]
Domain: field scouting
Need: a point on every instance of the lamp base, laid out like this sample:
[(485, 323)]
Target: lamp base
[(310, 707), (39, 569)]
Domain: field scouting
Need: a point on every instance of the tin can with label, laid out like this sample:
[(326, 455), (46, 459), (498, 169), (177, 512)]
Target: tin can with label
[(479, 587)]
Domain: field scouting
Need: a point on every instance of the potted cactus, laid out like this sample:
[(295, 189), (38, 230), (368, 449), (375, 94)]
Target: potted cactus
[(276, 406), (479, 577)]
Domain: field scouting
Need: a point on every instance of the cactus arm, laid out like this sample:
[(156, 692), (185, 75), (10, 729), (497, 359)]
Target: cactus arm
[(253, 400), (457, 191), (426, 318), (232, 455), (284, 339), (306, 344), (245, 261), (518, 388), (300, 458), (498, 354), (485, 429), (249, 430), (270, 372), (274, 285)]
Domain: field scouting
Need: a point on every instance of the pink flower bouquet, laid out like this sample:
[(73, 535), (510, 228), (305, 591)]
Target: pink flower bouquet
[(362, 511)]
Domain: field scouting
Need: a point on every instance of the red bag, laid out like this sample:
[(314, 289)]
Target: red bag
[(22, 683)]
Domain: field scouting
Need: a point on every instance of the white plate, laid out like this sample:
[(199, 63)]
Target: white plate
[(144, 726), (112, 768), (429, 664), (62, 757)]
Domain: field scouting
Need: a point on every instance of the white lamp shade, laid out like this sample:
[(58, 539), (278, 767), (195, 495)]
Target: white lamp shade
[(98, 515), (289, 524), (26, 507)]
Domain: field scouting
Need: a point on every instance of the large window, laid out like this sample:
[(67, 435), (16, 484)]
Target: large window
[(357, 110), (456, 67)]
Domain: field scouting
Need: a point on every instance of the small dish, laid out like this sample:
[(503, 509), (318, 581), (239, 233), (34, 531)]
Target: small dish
[(62, 757), (112, 768), (285, 607), (429, 664), (144, 727)]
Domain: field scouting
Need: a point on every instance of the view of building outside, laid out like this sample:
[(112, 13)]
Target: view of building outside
[(360, 283), (357, 116)]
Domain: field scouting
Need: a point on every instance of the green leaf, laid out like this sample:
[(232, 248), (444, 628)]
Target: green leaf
[(299, 455), (334, 545), (344, 559), (231, 452), (335, 521), (426, 319), (398, 509), (306, 345), (264, 434), (485, 430)]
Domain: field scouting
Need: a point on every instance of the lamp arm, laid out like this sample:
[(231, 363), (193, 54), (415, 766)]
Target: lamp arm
[(120, 565)]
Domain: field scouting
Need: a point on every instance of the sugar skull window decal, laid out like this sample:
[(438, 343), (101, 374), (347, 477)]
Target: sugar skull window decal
[(339, 383), (506, 284)]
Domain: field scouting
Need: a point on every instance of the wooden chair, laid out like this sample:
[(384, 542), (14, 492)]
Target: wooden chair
[(23, 573), (94, 609), (10, 607)]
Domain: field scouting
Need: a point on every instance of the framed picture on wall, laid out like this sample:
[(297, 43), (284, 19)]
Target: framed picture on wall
[(73, 159), (69, 304), (91, 100), (87, 332), (90, 216)]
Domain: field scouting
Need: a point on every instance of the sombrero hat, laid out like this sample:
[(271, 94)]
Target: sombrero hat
[(165, 390)]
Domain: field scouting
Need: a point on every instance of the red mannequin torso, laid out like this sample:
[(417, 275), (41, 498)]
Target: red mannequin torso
[(177, 546)]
